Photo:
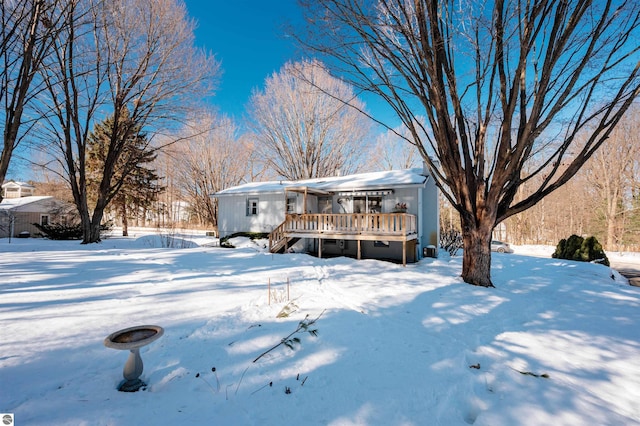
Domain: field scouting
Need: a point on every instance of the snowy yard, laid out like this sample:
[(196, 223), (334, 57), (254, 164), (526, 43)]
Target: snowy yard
[(556, 342)]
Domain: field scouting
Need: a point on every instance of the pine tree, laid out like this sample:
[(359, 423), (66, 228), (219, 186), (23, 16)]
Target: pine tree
[(133, 184)]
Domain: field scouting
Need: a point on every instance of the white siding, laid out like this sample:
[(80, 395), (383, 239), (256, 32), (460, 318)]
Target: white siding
[(232, 213)]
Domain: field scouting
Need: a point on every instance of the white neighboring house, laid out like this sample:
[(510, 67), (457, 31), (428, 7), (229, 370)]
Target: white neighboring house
[(392, 215), (14, 189)]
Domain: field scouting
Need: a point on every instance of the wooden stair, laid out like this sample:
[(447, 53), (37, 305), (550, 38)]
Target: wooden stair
[(279, 241)]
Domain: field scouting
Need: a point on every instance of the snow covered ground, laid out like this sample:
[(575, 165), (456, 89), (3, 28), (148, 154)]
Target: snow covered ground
[(556, 342)]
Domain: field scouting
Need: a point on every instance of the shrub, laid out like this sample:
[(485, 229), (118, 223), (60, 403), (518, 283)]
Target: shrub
[(57, 231), (581, 249), (592, 251), (451, 241)]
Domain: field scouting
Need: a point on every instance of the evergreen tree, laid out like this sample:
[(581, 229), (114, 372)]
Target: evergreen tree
[(133, 184)]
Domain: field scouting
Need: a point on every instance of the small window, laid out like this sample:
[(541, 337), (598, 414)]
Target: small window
[(252, 206), (44, 220), (291, 205)]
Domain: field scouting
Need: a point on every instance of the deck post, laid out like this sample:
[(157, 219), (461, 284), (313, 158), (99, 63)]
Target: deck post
[(404, 252), (319, 248), (359, 249)]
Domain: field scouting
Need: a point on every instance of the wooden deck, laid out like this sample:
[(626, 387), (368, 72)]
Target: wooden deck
[(354, 226)]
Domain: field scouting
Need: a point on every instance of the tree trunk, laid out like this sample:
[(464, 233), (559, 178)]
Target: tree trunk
[(612, 198), (125, 223), (476, 257), (611, 231), (85, 217), (5, 157), (92, 227)]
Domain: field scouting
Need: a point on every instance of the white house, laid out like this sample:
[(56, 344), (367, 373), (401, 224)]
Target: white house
[(13, 189), (390, 215)]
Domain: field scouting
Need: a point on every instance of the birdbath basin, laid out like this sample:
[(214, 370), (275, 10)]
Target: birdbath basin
[(132, 339)]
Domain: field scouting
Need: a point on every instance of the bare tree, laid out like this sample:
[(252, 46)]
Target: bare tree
[(393, 152), (501, 84), (28, 31), (132, 55), (610, 171), (302, 125), (597, 201), (568, 210), (213, 158)]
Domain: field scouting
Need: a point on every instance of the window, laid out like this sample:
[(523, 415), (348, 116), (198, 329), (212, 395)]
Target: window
[(291, 204), (374, 204), (252, 206), (44, 220), (325, 205), (367, 204)]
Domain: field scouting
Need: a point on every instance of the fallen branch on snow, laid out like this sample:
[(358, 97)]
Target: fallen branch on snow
[(289, 341)]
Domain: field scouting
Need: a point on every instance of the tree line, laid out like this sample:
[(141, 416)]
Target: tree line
[(602, 199)]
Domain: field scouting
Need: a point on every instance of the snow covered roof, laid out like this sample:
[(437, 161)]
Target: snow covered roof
[(356, 182), (16, 203)]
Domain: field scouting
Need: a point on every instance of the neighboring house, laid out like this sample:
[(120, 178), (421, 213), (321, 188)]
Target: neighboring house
[(19, 213), (392, 215), (13, 189)]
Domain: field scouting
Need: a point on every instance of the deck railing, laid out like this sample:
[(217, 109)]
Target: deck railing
[(347, 225), (354, 223)]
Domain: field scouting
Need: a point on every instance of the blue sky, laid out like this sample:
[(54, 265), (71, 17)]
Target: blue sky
[(248, 38)]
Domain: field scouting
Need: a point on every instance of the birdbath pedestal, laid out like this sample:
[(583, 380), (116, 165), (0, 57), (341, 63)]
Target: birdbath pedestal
[(132, 339)]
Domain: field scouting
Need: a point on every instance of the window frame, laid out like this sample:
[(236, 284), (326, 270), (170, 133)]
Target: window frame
[(292, 203), (252, 206)]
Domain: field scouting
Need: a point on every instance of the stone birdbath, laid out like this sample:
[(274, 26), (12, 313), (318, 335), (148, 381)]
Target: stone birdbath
[(132, 339)]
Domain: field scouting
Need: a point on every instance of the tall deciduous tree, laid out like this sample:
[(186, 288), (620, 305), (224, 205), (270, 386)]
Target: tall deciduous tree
[(28, 31), (212, 158), (501, 84), (131, 55), (303, 126), (610, 172)]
